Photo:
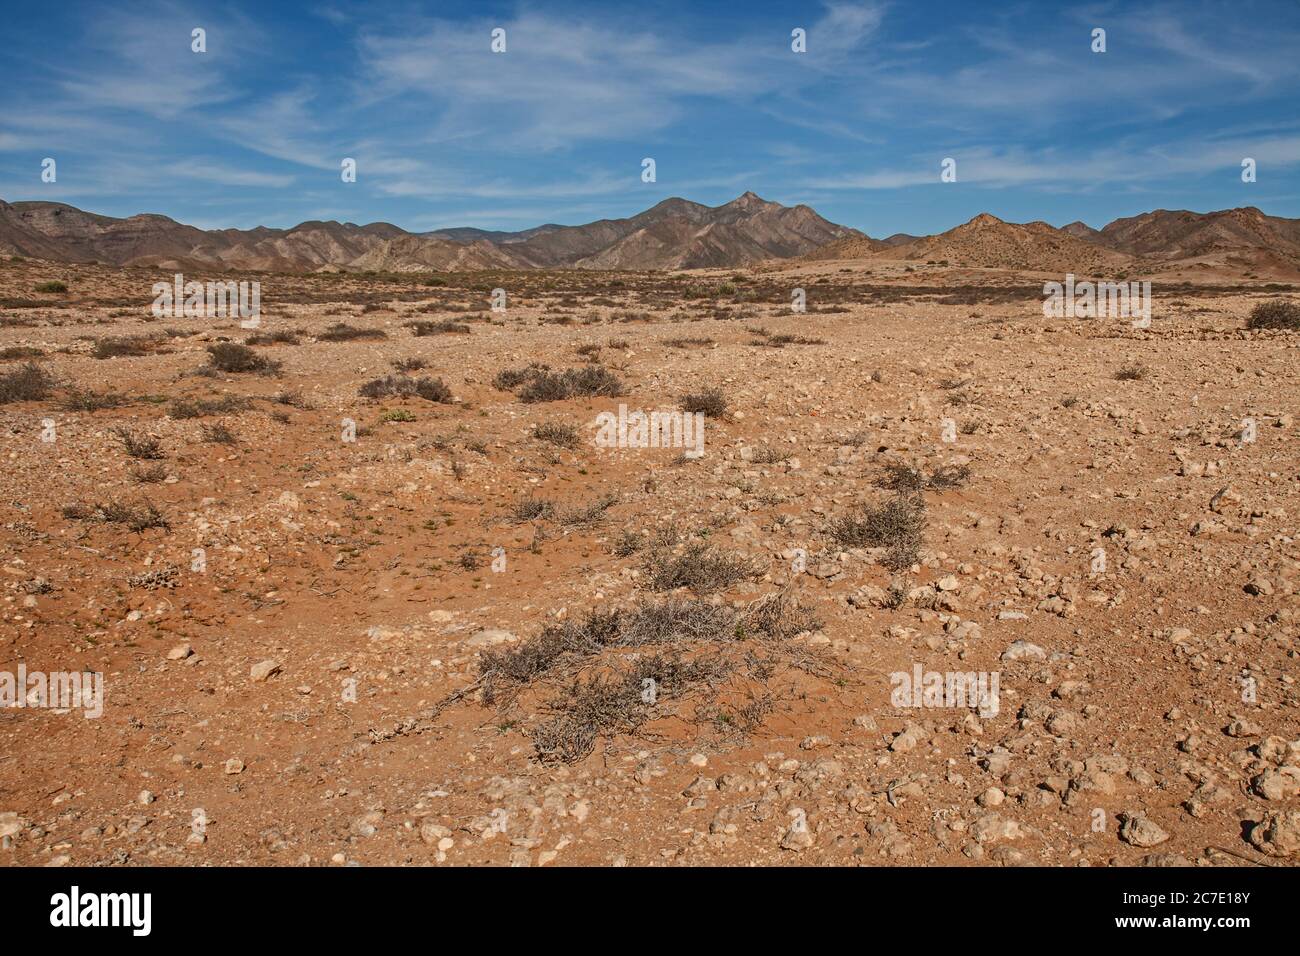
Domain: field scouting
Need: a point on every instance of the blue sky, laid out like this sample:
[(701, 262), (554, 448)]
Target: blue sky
[(447, 133)]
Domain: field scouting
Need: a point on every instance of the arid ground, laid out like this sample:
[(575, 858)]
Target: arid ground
[(473, 636)]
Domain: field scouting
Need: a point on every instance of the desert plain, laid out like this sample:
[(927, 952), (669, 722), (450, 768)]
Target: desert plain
[(459, 631)]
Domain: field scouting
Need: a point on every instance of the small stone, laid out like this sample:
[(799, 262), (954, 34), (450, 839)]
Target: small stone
[(799, 836), (1243, 728), (991, 827), (180, 652), (907, 740), (1023, 650), (1279, 784), (490, 638), (262, 670), (431, 832), (1278, 834), (1137, 830), (233, 766), (1062, 723)]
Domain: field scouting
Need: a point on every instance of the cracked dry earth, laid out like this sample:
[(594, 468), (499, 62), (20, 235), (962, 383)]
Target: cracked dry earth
[(351, 677)]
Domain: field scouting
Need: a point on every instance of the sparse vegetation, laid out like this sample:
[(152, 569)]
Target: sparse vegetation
[(781, 339), (218, 433), (626, 544), (531, 509), (400, 386), (584, 515), (699, 567), (29, 383), (896, 526), (279, 337), (138, 518), (144, 447), (128, 347), (445, 327), (907, 478), (149, 476), (235, 358), (342, 332), (557, 433), (19, 352), (198, 408), (85, 401), (770, 456), (1132, 373), (711, 402), (1278, 314), (537, 383), (292, 399), (693, 643)]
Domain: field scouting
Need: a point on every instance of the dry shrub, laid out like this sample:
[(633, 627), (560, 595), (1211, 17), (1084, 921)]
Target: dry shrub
[(1278, 314), (699, 567), (896, 525), (711, 402), (400, 386), (232, 357), (29, 383)]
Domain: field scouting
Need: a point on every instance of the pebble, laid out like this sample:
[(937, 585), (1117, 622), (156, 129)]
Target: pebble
[(1023, 650), (1278, 834), (1137, 830), (262, 670)]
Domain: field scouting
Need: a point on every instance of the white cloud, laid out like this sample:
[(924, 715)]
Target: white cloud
[(226, 175)]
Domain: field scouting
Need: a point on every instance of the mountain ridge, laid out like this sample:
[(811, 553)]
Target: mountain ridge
[(673, 234), (1237, 241)]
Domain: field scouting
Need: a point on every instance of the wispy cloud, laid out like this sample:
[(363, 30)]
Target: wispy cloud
[(445, 130), (227, 175)]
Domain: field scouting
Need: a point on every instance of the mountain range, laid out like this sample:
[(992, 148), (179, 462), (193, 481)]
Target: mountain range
[(674, 234), (1230, 242)]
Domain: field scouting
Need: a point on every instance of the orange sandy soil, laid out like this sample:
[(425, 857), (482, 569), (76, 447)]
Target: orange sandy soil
[(1122, 736)]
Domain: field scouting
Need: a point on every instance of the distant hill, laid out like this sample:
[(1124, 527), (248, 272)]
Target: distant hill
[(1232, 242), (988, 242), (1243, 238)]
